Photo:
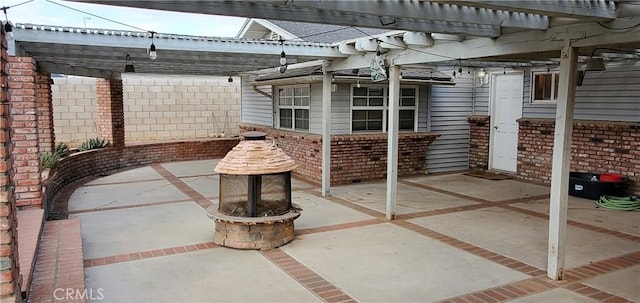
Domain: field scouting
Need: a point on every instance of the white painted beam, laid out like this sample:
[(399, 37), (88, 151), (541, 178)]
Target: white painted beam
[(326, 132), (283, 10), (222, 45), (561, 162), (392, 140), (599, 10), (584, 35), (67, 69), (431, 11)]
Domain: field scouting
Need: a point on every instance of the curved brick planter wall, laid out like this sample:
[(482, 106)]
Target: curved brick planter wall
[(95, 162), (354, 158)]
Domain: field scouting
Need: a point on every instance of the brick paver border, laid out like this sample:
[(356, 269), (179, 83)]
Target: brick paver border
[(147, 254), (315, 283)]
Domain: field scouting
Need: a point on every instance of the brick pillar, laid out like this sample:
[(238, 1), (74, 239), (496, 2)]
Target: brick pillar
[(24, 125), (110, 111), (9, 266), (44, 102), (479, 142)]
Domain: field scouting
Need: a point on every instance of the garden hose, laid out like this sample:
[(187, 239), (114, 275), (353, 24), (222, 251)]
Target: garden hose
[(631, 203)]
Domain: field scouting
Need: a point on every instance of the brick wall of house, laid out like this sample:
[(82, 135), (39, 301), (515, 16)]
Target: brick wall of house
[(597, 147), (24, 124), (110, 122), (354, 158), (44, 104), (94, 162), (479, 142), (9, 265), (156, 107)]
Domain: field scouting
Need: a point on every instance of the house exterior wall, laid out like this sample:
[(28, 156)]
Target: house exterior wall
[(157, 107), (256, 108), (354, 158), (448, 111), (604, 104)]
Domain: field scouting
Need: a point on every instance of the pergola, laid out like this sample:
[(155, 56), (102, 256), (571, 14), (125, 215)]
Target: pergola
[(420, 32)]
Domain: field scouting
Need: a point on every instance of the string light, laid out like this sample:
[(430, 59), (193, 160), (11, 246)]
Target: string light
[(152, 48), (283, 58)]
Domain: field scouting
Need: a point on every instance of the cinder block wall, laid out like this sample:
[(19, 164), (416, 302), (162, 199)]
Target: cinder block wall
[(156, 107)]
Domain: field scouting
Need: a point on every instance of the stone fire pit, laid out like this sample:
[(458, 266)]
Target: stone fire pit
[(255, 209)]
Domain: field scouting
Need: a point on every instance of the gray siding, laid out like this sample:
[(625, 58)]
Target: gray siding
[(340, 115), (612, 95), (256, 108), (449, 108)]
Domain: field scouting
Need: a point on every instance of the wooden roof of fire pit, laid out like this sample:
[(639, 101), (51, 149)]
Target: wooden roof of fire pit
[(255, 157)]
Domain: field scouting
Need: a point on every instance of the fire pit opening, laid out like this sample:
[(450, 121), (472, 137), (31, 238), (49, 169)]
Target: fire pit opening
[(255, 195), (255, 209)]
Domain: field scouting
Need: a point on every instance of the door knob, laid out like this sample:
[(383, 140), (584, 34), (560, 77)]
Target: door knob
[(496, 127)]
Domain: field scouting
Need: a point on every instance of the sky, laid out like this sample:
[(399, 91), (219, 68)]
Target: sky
[(43, 12)]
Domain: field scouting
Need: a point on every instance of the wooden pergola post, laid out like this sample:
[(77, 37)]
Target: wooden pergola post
[(561, 162)]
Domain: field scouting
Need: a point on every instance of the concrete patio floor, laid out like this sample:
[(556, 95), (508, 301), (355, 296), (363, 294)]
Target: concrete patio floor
[(147, 237)]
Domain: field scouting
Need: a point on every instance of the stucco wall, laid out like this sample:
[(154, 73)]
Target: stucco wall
[(156, 107)]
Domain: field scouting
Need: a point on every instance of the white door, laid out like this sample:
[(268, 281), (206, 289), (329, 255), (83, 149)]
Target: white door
[(506, 108)]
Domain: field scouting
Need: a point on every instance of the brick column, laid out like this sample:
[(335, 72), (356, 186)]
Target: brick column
[(24, 124), (479, 142), (9, 265), (44, 102), (110, 111)]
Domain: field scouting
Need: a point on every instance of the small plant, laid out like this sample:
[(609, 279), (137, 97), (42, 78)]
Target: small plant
[(93, 143), (62, 150), (49, 160)]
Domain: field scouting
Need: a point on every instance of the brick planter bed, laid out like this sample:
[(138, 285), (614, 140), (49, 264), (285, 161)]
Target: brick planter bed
[(107, 160), (354, 158)]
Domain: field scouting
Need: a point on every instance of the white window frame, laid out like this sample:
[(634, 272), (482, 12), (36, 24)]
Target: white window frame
[(555, 75), (292, 107), (384, 107)]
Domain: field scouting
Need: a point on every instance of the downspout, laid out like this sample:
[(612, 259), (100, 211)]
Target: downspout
[(473, 94)]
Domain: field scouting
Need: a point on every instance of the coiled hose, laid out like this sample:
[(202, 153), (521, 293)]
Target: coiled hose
[(631, 203)]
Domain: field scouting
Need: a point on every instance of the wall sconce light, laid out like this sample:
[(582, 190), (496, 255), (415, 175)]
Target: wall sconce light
[(483, 77), (334, 88)]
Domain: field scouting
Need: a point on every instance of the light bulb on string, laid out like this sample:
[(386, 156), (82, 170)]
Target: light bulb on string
[(8, 31), (283, 58), (153, 55), (8, 28)]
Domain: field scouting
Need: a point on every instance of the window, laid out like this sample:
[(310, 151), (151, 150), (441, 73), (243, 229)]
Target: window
[(544, 86), (293, 107), (369, 106)]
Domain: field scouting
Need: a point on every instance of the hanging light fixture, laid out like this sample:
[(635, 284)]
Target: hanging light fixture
[(230, 79), (128, 67), (152, 48), (8, 28), (283, 58)]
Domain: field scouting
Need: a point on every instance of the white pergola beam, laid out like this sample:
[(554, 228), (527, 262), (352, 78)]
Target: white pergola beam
[(222, 45), (432, 11), (561, 163), (583, 35), (67, 69), (279, 10), (392, 140), (594, 10), (326, 132)]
